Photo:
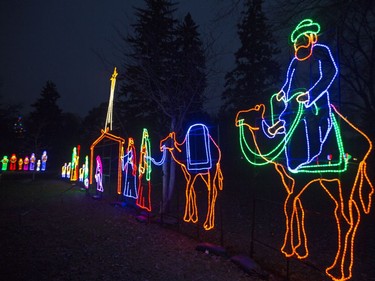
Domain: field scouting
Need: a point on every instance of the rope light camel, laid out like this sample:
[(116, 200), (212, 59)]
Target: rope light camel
[(301, 136), (196, 161)]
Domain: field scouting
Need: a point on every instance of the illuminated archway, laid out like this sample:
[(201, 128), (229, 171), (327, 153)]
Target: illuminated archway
[(120, 141)]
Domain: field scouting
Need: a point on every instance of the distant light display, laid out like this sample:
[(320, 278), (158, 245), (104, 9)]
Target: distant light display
[(301, 135), (74, 163), (4, 163), (44, 161), (68, 170), (81, 173), (12, 162), (63, 170), (32, 162), (20, 164), (194, 155), (26, 162), (86, 173), (99, 174)]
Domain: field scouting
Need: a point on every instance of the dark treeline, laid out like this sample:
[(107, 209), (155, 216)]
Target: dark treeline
[(163, 78)]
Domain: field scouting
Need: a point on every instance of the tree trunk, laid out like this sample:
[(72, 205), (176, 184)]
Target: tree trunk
[(169, 178), (172, 179), (169, 175), (165, 183)]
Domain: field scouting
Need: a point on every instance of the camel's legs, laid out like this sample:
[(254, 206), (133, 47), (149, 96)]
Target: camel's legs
[(341, 269), (191, 212), (211, 196), (300, 249), (193, 203), (295, 233), (287, 248), (187, 213)]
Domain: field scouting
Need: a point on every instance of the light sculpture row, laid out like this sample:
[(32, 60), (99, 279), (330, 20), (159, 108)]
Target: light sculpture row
[(197, 161), (72, 171), (24, 164)]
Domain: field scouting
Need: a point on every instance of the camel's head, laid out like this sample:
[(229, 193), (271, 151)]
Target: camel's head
[(168, 142), (248, 117)]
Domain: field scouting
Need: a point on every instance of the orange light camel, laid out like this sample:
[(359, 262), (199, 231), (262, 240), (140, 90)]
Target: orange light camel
[(351, 190), (211, 175)]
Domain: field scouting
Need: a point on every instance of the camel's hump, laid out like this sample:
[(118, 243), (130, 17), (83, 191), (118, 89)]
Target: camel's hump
[(198, 152)]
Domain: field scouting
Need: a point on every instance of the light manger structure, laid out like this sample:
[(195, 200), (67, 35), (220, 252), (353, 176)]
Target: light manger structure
[(120, 144), (105, 134)]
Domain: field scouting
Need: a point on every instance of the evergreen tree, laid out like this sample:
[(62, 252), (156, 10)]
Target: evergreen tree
[(8, 141), (93, 123), (256, 71), (148, 64), (165, 69), (191, 67), (165, 76), (44, 123)]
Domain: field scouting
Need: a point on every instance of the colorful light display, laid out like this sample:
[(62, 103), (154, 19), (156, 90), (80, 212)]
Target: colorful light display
[(12, 161), (71, 170), (81, 173), (63, 170), (20, 164), (44, 161), (196, 161), (26, 162), (86, 173), (99, 174), (32, 162), (106, 135), (144, 173), (198, 133), (129, 166), (68, 170), (4, 163), (74, 165), (302, 135), (108, 121), (23, 164)]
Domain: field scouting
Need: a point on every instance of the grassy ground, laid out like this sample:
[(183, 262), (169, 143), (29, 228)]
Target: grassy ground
[(52, 230)]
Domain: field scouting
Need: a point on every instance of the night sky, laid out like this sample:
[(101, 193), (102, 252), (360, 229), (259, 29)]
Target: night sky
[(75, 44)]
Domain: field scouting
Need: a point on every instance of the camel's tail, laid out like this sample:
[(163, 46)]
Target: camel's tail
[(360, 179), (218, 180)]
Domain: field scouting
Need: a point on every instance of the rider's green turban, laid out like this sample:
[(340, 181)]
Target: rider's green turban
[(306, 26)]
